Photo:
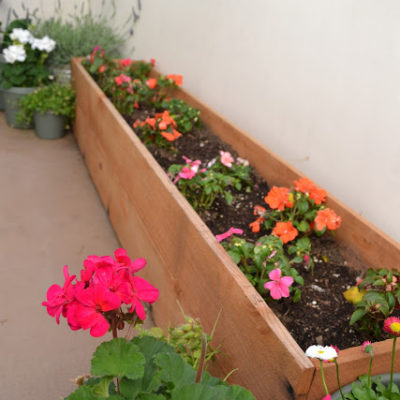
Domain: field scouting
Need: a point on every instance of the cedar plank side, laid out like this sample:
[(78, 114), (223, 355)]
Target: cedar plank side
[(133, 171)]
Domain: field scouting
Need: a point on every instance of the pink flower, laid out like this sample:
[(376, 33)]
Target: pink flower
[(229, 232), (125, 261), (59, 297), (93, 301), (278, 287), (141, 291), (120, 79), (306, 259), (93, 263), (189, 171), (153, 62), (226, 158), (125, 62), (367, 347), (392, 326), (327, 397)]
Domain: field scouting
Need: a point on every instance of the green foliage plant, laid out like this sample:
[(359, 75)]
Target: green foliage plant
[(202, 186), (55, 98), (380, 297), (146, 368), (80, 32)]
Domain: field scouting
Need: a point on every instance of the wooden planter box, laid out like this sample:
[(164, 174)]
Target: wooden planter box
[(187, 264)]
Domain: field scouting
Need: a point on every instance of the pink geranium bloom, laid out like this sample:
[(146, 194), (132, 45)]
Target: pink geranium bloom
[(226, 158), (141, 291), (278, 287), (93, 263), (93, 301), (229, 232), (125, 261), (59, 297)]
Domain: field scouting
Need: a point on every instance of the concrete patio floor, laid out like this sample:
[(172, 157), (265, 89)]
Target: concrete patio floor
[(50, 215)]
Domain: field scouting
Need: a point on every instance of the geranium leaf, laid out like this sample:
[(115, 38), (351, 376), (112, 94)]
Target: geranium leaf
[(197, 391), (118, 358), (82, 393)]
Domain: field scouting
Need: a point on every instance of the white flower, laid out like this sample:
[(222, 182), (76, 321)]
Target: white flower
[(240, 160), (47, 44), (22, 35), (321, 352), (15, 52)]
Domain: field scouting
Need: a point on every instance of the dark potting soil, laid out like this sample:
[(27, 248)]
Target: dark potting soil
[(322, 315)]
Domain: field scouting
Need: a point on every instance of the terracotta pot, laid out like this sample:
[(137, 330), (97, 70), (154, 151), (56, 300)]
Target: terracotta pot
[(187, 264)]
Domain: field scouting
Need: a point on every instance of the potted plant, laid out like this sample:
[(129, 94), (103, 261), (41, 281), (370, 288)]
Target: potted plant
[(51, 108), (188, 262), (24, 70), (384, 387), (108, 297), (77, 36)]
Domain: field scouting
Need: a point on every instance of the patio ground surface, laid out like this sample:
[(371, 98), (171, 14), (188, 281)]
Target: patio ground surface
[(50, 215)]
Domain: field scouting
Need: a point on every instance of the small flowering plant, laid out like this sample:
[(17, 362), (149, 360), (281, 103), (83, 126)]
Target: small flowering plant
[(108, 295), (366, 387), (202, 186), (25, 58), (375, 297), (266, 266)]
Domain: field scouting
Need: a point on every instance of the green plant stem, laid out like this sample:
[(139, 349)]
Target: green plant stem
[(370, 371), (338, 379), (202, 359), (392, 366), (323, 377)]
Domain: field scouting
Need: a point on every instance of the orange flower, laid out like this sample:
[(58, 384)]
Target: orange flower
[(151, 83), (327, 218), (278, 198), (102, 68), (171, 136), (256, 225), (151, 122), (285, 230), (177, 78), (307, 186)]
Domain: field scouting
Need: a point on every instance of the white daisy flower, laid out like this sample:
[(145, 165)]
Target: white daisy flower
[(321, 352)]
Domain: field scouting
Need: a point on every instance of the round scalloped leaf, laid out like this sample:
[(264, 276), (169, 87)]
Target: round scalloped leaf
[(118, 358)]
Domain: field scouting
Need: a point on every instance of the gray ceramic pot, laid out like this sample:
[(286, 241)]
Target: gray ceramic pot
[(385, 380), (2, 61), (11, 108), (49, 125)]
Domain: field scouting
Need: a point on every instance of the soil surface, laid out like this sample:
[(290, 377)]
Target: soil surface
[(322, 315)]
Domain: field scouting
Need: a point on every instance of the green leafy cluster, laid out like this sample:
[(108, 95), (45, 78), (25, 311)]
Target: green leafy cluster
[(185, 116), (212, 182), (375, 390), (77, 36), (55, 98), (381, 298), (149, 369), (258, 260)]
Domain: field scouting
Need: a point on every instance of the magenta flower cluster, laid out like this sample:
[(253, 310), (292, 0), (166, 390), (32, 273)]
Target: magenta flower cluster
[(95, 301)]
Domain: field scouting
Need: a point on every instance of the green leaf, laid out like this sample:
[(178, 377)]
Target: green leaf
[(358, 314), (150, 396), (297, 295), (102, 389), (302, 205), (303, 226), (228, 197), (173, 369), (118, 358), (82, 393), (235, 256), (202, 392)]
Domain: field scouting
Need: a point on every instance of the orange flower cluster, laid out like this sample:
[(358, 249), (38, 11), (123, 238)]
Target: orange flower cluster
[(309, 188), (285, 230), (256, 225), (278, 198), (162, 122), (178, 79), (327, 218)]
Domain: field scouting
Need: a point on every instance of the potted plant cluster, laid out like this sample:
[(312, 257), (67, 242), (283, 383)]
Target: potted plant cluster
[(110, 296), (189, 262), (78, 34), (24, 69), (51, 108)]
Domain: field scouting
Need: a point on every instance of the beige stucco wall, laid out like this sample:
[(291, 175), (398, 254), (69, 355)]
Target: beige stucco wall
[(317, 81)]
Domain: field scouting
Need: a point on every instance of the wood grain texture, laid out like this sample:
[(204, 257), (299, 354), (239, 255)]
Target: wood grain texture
[(153, 220)]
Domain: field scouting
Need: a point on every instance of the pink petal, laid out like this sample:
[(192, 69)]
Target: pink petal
[(138, 264), (275, 274), (140, 311), (145, 291), (100, 328), (287, 280), (284, 290)]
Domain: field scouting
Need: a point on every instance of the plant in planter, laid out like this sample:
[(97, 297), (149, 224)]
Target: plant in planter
[(201, 275), (24, 70), (109, 295), (51, 108), (366, 387)]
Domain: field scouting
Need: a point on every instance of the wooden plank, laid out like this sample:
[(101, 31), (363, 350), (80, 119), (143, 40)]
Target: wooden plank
[(177, 235)]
